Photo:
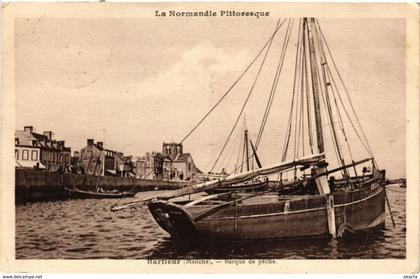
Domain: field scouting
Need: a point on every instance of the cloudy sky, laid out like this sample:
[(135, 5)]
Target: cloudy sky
[(135, 83)]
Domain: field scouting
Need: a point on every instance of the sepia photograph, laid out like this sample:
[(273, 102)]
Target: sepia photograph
[(209, 134)]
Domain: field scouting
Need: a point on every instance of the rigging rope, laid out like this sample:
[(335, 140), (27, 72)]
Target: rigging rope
[(349, 118), (243, 155), (327, 84), (339, 115), (245, 103), (289, 124), (324, 101), (302, 109), (297, 87), (302, 104), (348, 95), (308, 96), (279, 66), (272, 92), (237, 80), (239, 154)]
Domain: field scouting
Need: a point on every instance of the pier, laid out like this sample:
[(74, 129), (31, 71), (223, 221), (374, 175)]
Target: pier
[(36, 185)]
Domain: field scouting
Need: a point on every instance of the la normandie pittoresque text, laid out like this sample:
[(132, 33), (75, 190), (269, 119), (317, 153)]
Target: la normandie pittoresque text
[(210, 13)]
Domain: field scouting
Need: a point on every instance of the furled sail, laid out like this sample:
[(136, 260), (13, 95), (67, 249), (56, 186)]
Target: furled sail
[(244, 176)]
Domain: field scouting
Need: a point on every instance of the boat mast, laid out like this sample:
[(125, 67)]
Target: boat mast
[(246, 150), (327, 85), (254, 150), (315, 91)]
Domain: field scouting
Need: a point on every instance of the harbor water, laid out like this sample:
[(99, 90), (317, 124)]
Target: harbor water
[(87, 229)]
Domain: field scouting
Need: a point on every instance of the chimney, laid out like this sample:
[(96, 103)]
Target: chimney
[(90, 142), (29, 129), (48, 134), (100, 144)]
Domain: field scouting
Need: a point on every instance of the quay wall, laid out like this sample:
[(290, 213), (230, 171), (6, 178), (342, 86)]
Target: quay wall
[(33, 185)]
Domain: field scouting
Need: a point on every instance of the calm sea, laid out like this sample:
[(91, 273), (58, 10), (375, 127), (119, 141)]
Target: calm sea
[(87, 229)]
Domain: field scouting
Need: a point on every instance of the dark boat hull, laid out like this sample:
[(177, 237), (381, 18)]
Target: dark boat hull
[(292, 218), (81, 194)]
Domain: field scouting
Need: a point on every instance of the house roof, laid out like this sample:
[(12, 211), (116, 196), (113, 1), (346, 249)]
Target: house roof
[(26, 138), (166, 157), (183, 157), (101, 148), (39, 136)]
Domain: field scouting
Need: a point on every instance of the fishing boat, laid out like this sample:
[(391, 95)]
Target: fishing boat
[(247, 162), (91, 189), (321, 199), (271, 215), (98, 194)]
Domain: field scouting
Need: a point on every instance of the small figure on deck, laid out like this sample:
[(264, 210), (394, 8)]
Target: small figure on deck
[(311, 186), (331, 183), (60, 170), (364, 171)]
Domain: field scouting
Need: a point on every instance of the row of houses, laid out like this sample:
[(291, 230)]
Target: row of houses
[(41, 151), (170, 164)]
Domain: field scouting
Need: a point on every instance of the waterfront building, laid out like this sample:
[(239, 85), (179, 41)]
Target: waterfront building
[(129, 166), (99, 161), (148, 166), (140, 167), (171, 164), (178, 165), (40, 151), (92, 158)]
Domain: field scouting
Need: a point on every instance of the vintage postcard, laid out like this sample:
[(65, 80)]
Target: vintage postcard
[(209, 137)]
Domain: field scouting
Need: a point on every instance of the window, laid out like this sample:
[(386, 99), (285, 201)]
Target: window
[(34, 155), (17, 154), (25, 154)]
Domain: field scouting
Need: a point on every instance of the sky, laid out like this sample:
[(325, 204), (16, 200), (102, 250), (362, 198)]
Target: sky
[(135, 83)]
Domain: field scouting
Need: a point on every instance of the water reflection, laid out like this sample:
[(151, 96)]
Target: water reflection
[(361, 245), (86, 229)]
